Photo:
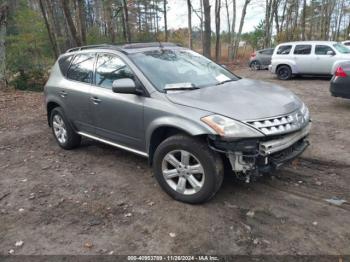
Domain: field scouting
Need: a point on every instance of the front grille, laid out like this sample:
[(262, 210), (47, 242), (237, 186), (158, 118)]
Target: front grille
[(279, 125)]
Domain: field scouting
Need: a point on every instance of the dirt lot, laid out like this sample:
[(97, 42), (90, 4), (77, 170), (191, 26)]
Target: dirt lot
[(97, 199)]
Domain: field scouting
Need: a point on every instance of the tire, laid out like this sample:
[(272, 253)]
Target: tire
[(60, 125), (284, 72), (255, 65), (198, 152)]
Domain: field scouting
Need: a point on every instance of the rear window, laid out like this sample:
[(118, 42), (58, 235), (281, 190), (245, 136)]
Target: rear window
[(267, 52), (302, 50), (322, 49), (82, 68), (64, 64), (284, 50)]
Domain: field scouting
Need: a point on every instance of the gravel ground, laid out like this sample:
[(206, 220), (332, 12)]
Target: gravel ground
[(98, 199)]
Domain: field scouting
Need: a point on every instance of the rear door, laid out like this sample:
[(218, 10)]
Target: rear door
[(324, 62), (117, 117), (266, 56), (303, 58), (76, 91)]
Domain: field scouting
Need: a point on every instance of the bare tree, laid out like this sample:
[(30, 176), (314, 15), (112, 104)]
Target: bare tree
[(70, 23), (228, 25), (3, 29), (165, 20), (50, 32), (126, 21), (217, 29), (241, 23), (189, 16), (233, 29), (303, 21), (207, 29), (82, 20)]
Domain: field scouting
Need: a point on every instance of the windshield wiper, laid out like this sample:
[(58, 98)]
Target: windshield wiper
[(180, 86), (226, 81)]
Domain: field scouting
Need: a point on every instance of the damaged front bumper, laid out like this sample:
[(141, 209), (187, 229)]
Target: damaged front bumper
[(255, 156)]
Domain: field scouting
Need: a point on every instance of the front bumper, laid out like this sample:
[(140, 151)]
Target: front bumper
[(264, 155)]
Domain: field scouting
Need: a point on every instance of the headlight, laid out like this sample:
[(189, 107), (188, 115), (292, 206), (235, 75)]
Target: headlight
[(227, 127), (305, 112)]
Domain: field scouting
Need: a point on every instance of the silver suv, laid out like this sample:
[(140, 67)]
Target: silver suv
[(308, 58), (189, 116)]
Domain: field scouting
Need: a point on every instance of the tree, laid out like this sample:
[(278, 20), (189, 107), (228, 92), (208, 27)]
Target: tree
[(165, 20), (233, 29), (3, 30), (126, 22), (189, 18), (217, 29), (82, 20), (73, 31), (207, 29), (50, 33), (238, 37)]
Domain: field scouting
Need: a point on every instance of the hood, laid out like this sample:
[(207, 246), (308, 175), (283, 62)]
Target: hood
[(244, 99)]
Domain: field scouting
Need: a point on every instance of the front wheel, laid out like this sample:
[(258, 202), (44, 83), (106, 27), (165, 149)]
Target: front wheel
[(255, 65), (187, 169)]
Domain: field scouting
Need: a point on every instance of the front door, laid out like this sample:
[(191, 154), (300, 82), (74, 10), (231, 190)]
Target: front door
[(324, 61), (117, 117)]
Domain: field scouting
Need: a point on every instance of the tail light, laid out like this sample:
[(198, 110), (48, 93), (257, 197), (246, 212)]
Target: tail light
[(340, 72), (253, 54)]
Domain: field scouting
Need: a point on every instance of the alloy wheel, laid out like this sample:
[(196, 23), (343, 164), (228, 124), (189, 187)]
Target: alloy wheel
[(183, 172), (59, 129)]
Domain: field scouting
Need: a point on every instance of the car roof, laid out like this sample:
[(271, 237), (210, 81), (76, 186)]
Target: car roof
[(126, 48), (308, 42)]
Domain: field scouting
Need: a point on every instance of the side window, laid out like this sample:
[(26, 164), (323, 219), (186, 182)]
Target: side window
[(64, 64), (109, 68), (82, 68), (302, 50), (284, 49), (270, 51), (322, 49)]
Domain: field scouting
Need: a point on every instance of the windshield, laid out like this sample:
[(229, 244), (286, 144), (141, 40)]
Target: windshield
[(167, 69), (342, 48)]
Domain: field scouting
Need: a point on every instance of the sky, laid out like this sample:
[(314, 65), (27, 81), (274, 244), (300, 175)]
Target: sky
[(177, 14)]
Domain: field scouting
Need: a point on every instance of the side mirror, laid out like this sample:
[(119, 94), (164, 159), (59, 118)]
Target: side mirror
[(330, 53), (124, 86)]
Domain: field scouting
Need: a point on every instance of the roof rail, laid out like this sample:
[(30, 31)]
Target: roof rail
[(145, 45), (89, 47)]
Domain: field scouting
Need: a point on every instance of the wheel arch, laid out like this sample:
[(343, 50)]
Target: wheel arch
[(158, 133), (49, 107)]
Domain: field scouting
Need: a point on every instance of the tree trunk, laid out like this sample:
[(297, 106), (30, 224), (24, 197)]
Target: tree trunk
[(126, 21), (70, 23), (207, 29), (82, 20), (165, 20), (217, 29), (189, 10), (241, 23), (50, 33), (233, 29), (303, 23), (3, 29), (228, 27)]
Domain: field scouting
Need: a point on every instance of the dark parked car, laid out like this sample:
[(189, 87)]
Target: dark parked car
[(261, 59), (340, 83)]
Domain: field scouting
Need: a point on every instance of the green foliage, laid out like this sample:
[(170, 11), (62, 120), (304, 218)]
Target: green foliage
[(28, 47), (256, 37)]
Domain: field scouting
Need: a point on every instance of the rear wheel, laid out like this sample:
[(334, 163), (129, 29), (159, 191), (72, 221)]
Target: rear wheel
[(284, 72), (62, 130), (255, 65), (187, 169)]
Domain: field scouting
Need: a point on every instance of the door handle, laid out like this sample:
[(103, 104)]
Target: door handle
[(95, 100), (63, 93)]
